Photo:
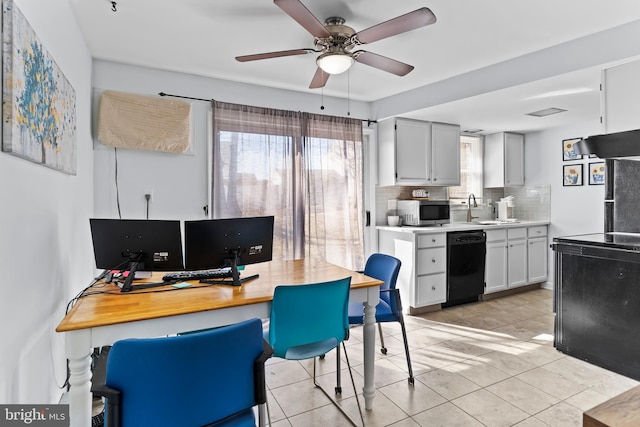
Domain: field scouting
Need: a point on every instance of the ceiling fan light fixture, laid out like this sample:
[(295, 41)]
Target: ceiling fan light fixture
[(335, 62)]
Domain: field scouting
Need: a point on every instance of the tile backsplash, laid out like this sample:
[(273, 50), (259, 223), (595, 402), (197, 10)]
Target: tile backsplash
[(531, 203)]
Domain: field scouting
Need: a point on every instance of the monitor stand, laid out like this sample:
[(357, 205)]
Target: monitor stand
[(235, 274), (128, 286)]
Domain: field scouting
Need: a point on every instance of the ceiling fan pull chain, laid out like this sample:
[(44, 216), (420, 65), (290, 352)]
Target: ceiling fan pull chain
[(348, 92), (322, 94)]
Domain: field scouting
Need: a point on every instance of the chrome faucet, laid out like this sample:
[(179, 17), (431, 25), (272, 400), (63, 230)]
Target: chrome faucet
[(475, 205)]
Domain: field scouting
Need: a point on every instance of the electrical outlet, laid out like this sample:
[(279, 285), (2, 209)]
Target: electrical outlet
[(148, 194)]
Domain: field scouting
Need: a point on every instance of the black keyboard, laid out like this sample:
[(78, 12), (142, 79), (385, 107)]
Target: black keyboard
[(216, 273)]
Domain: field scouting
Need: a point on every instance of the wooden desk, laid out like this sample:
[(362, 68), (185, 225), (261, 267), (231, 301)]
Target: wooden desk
[(620, 411), (102, 319)]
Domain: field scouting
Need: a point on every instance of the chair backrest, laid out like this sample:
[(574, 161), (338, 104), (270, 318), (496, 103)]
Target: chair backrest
[(192, 379), (309, 313), (386, 268)]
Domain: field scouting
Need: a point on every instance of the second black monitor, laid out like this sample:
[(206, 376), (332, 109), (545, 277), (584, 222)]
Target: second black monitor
[(216, 243)]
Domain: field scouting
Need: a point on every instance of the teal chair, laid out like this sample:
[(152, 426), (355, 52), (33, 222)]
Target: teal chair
[(309, 320), (213, 377)]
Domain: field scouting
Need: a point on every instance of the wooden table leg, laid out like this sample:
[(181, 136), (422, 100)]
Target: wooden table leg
[(369, 335)]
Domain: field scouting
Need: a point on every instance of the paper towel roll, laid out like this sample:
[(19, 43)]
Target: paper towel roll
[(502, 210)]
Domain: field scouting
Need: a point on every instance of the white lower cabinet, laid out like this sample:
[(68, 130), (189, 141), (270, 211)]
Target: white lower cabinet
[(430, 289), (422, 279), (495, 274), (515, 257), (537, 253), (430, 270)]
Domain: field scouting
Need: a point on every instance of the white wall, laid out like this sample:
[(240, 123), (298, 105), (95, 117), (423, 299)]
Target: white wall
[(179, 182), (44, 234), (574, 210)]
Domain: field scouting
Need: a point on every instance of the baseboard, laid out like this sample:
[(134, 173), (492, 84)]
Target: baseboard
[(506, 292), (413, 311), (547, 285)]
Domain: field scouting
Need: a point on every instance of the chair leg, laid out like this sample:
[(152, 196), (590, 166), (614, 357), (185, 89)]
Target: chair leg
[(355, 392), (383, 349), (338, 388), (406, 349), (264, 415)]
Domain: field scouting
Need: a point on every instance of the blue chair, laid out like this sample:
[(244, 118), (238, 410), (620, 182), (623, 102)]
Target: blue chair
[(389, 309), (308, 321), (213, 377)]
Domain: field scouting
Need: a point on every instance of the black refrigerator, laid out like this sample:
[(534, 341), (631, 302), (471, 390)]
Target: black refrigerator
[(597, 277), (622, 196)]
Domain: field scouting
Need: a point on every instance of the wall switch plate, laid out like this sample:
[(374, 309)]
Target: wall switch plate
[(392, 204)]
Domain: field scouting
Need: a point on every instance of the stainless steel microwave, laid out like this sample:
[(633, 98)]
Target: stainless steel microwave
[(424, 212)]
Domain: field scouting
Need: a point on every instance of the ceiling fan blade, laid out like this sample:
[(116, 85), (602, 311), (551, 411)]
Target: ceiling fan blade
[(319, 79), (407, 22), (277, 54), (302, 15), (382, 62)]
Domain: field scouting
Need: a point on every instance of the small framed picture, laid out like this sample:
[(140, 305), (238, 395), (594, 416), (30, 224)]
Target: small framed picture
[(572, 175), (569, 149), (596, 173)]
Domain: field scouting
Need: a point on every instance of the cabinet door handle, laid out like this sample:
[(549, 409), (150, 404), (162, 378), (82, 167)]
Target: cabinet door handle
[(433, 288), (433, 240), (433, 260)]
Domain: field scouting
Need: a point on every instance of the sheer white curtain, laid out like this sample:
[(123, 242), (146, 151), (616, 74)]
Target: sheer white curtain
[(304, 169)]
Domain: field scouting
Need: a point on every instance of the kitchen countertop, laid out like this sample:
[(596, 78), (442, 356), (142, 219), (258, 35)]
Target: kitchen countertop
[(460, 226)]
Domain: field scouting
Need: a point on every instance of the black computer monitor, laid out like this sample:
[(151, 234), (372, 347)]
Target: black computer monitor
[(136, 245), (230, 242)]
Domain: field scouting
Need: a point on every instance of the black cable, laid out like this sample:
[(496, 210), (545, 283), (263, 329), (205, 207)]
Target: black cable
[(115, 155), (147, 197)]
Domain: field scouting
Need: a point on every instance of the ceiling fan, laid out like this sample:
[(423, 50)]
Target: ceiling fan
[(335, 41)]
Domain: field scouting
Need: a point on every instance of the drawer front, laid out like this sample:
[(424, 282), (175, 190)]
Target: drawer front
[(431, 289), (516, 233), (432, 240), (494, 235), (537, 231), (433, 260)]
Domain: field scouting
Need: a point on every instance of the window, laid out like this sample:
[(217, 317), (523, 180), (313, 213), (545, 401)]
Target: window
[(305, 169), (471, 178)]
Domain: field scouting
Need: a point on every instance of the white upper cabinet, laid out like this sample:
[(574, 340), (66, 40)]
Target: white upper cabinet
[(414, 152), (620, 98), (445, 147), (503, 160)]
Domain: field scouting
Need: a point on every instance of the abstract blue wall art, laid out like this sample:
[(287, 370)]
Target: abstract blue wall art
[(38, 102)]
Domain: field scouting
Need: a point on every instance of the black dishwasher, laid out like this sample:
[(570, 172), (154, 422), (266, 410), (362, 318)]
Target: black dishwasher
[(466, 252)]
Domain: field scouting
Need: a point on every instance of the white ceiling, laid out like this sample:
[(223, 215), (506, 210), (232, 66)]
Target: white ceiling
[(203, 37)]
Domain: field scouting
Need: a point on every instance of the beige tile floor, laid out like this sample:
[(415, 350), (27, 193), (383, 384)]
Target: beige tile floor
[(490, 363)]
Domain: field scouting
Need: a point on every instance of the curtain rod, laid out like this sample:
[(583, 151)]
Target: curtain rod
[(369, 122), (184, 97)]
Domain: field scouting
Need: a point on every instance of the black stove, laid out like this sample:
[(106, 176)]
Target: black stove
[(618, 240)]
